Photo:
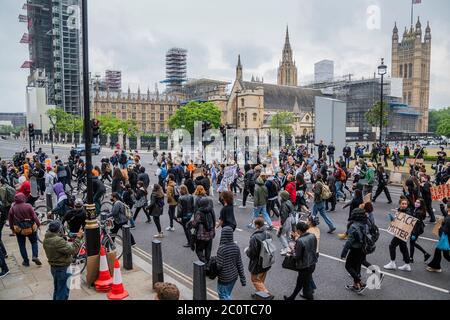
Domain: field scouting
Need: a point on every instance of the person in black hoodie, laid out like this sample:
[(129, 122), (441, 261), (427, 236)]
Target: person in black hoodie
[(249, 185), (185, 210), (383, 180), (133, 178), (258, 273), (356, 201), (143, 176), (425, 190), (226, 218), (76, 217), (229, 264), (202, 180), (396, 242), (272, 198), (189, 183), (419, 213)]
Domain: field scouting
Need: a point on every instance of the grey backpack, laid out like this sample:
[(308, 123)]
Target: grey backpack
[(267, 253)]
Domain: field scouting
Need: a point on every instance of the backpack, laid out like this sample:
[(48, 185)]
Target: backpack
[(211, 268), (326, 192), (128, 212), (160, 202), (176, 193), (209, 225), (163, 173), (267, 253), (369, 240), (7, 194)]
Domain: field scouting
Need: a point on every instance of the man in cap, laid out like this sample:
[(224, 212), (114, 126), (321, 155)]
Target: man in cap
[(59, 254), (76, 217)]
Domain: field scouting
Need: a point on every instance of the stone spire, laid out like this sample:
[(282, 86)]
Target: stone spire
[(239, 73), (287, 72)]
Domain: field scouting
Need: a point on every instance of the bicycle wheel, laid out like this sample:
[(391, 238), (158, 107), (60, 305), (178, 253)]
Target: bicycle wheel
[(111, 246), (41, 213), (80, 261), (106, 206)]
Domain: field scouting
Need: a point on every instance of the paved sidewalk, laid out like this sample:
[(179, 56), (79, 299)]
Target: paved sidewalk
[(36, 283)]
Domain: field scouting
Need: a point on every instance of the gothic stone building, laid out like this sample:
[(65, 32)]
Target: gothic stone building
[(411, 61)]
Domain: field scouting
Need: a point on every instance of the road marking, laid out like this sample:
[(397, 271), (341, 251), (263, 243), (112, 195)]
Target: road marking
[(240, 230), (395, 276), (424, 238), (181, 275)]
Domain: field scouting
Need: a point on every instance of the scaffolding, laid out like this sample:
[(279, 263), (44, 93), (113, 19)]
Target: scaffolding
[(176, 67), (113, 80)]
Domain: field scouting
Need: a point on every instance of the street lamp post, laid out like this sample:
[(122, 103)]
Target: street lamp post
[(92, 227), (382, 69), (237, 125)]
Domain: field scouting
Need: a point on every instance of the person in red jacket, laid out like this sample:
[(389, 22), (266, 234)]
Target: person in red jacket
[(19, 213), (291, 189)]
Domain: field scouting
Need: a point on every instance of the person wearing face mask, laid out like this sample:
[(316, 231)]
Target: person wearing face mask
[(396, 242), (419, 213)]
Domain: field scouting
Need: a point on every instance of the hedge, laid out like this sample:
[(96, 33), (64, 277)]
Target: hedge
[(426, 158)]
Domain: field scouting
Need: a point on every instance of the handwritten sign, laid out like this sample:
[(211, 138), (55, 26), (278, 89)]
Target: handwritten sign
[(440, 192), (402, 226), (229, 174)]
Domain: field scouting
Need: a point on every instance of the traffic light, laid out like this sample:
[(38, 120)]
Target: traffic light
[(31, 130)]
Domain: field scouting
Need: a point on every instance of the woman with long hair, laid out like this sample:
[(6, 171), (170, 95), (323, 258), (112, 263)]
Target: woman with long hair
[(156, 208), (420, 212), (117, 181), (141, 202)]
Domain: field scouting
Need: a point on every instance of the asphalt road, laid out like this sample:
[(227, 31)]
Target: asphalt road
[(330, 275)]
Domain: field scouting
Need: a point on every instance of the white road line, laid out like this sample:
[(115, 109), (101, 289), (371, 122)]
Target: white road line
[(424, 238), (240, 230), (188, 279), (395, 276)]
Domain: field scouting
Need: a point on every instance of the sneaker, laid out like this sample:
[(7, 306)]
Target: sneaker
[(342, 236), (283, 252), (426, 257), (168, 229), (37, 261), (4, 274), (434, 270), (405, 267), (187, 245), (391, 266), (159, 235), (26, 263), (332, 230), (242, 207)]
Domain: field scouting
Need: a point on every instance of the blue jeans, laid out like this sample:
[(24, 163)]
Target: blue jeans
[(320, 207), (21, 240), (262, 210), (339, 193), (60, 283), (224, 290)]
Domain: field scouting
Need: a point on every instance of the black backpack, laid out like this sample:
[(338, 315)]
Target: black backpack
[(369, 239), (211, 269)]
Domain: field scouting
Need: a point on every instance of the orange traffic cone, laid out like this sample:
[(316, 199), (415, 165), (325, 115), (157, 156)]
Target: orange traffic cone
[(117, 291), (104, 280)]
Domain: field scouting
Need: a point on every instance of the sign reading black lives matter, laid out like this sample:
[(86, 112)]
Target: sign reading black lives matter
[(402, 226)]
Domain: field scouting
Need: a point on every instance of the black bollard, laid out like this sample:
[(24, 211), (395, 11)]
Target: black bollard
[(49, 202), (199, 292), (157, 263), (126, 247)]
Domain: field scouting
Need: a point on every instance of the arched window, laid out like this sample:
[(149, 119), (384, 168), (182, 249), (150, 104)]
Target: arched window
[(410, 70), (405, 72), (242, 102), (401, 71)]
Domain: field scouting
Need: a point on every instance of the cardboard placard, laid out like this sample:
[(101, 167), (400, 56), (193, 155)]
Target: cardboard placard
[(402, 226), (440, 192), (415, 161), (436, 227)]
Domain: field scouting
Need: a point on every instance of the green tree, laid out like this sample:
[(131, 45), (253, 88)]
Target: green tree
[(373, 115), (443, 128), (283, 121), (435, 116), (186, 116), (64, 121)]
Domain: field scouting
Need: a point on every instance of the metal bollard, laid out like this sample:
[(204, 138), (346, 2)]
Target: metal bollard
[(157, 263), (49, 201), (199, 292), (126, 248)]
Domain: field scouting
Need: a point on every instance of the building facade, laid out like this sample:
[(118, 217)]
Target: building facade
[(287, 71), (411, 60), (324, 71), (17, 120), (150, 111), (54, 42)]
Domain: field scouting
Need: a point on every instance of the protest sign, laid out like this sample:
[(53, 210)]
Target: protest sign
[(402, 226), (440, 192), (436, 227), (229, 174)]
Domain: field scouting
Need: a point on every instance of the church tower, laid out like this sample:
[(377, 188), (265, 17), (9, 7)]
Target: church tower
[(411, 59), (287, 72)]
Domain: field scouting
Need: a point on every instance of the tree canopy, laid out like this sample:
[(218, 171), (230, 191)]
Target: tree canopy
[(64, 121), (283, 121), (436, 117), (112, 125), (373, 115), (186, 116)]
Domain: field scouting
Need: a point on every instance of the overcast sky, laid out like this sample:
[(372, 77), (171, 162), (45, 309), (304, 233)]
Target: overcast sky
[(134, 35)]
